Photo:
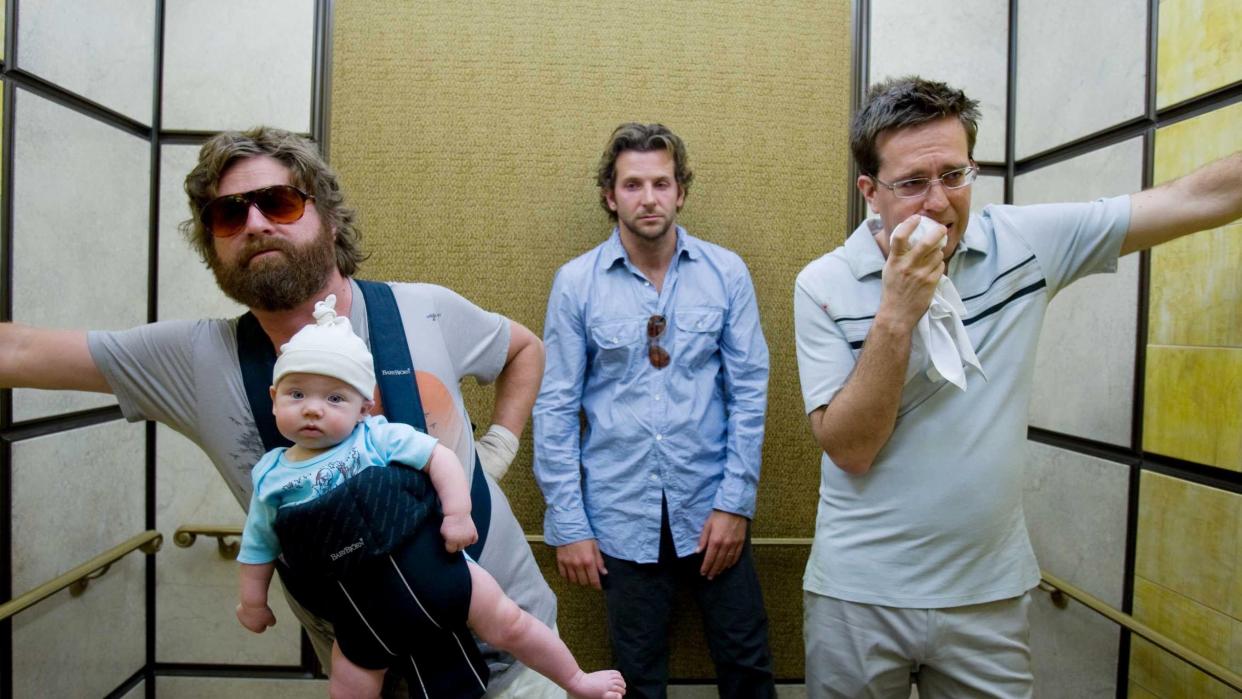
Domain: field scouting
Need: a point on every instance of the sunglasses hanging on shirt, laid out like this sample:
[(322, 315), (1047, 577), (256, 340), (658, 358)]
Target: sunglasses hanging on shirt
[(657, 355)]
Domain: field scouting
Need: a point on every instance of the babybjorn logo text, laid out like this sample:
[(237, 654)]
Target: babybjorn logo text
[(395, 372), (347, 550)]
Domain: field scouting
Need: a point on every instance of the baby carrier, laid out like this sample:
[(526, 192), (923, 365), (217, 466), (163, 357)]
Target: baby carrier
[(339, 533), (394, 371), (369, 515)]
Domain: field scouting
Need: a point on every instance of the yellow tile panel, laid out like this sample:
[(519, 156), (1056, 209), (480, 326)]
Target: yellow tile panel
[(1187, 541), (1193, 143), (1192, 405), (1199, 48), (1199, 628), (1236, 594), (1158, 673), (1195, 293), (1235, 652)]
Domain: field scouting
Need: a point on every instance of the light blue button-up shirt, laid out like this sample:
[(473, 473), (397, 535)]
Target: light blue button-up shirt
[(690, 433)]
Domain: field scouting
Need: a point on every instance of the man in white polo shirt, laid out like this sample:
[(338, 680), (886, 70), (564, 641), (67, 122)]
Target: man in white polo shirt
[(921, 562)]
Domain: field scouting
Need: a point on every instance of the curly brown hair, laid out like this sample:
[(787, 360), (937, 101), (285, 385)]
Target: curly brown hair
[(642, 138)]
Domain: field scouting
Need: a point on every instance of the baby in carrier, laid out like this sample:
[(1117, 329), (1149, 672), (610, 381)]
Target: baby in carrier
[(397, 591)]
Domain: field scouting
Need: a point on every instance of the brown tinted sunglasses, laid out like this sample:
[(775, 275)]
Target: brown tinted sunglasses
[(226, 216), (657, 355)]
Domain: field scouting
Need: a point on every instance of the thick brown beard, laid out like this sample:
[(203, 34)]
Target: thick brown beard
[(276, 284)]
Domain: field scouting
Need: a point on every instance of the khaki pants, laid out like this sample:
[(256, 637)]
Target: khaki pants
[(865, 650)]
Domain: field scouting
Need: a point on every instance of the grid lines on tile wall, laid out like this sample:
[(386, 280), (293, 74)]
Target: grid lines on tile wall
[(1191, 63), (56, 75)]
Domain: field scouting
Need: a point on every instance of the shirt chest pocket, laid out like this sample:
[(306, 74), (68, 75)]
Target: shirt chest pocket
[(617, 344), (698, 336)]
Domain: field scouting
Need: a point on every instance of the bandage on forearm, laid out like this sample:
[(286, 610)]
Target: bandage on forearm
[(496, 450)]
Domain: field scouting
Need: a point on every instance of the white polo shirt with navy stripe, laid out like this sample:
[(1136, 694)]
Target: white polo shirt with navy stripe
[(937, 521)]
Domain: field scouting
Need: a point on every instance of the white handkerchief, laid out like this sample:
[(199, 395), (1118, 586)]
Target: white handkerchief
[(940, 345)]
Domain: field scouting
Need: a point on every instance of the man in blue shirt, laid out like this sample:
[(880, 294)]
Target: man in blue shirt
[(654, 335)]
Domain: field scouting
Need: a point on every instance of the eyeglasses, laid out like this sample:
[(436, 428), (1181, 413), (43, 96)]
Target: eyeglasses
[(657, 355), (918, 186), (226, 216)]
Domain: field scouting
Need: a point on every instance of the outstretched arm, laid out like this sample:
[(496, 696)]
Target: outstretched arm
[(49, 359), (1206, 198)]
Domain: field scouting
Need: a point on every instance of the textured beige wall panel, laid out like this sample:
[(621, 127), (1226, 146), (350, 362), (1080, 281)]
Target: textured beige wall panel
[(467, 135)]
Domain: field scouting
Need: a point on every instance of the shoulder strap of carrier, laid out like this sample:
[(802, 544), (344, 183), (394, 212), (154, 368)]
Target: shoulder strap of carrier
[(394, 372)]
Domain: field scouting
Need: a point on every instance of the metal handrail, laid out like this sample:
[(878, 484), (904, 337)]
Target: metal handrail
[(1058, 589), (756, 541), (187, 534), (78, 578), (1061, 589)]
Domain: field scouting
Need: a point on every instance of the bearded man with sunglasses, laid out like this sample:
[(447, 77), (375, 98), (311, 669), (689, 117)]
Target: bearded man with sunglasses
[(654, 336), (270, 221), (921, 564)]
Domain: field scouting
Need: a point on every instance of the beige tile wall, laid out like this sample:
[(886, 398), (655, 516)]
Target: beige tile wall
[(80, 235), (81, 246), (77, 494)]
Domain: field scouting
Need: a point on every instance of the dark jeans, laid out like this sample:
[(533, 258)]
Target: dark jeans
[(639, 597)]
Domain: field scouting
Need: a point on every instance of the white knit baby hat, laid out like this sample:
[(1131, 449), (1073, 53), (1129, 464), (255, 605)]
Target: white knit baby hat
[(328, 347)]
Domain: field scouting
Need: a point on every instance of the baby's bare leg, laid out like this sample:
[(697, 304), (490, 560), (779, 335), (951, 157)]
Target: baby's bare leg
[(499, 621), (348, 681)]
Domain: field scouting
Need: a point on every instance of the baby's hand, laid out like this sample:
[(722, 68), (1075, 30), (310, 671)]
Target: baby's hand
[(256, 618), (458, 532)]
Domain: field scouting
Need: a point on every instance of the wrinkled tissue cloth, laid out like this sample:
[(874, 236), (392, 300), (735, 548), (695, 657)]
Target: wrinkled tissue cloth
[(940, 345)]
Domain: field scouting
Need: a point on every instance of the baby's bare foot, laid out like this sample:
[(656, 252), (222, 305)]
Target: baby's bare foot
[(605, 684)]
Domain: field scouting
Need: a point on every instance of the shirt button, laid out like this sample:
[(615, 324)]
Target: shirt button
[(614, 339), (654, 477), (657, 396), (659, 437)]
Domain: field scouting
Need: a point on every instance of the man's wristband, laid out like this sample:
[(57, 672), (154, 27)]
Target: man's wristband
[(496, 451)]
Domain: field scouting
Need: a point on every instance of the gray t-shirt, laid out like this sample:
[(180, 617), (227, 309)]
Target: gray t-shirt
[(186, 374)]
